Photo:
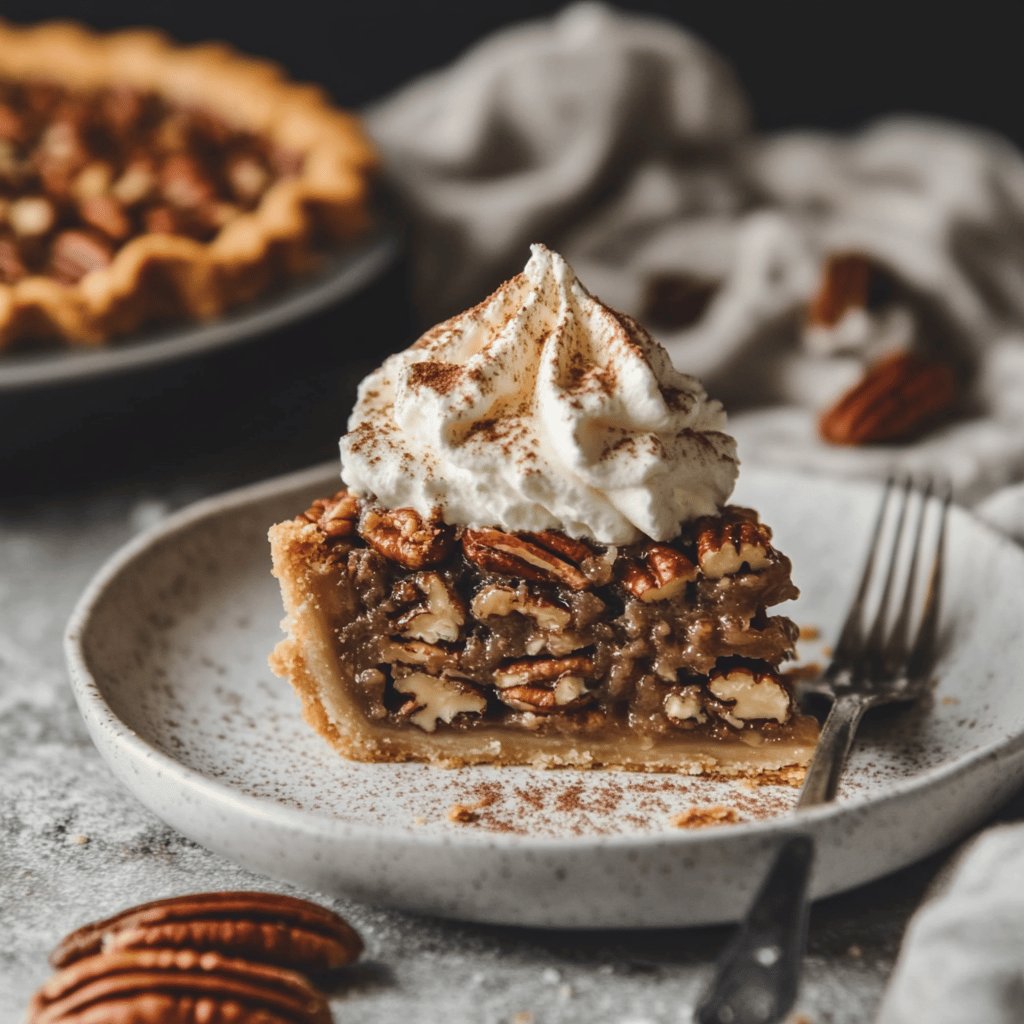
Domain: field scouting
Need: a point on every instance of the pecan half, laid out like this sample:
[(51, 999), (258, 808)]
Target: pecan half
[(549, 556), (898, 397), (156, 986), (685, 705), (660, 573), (76, 253), (337, 517), (12, 266), (105, 214), (561, 544), (528, 671), (163, 220), (542, 670), (95, 179), (436, 699), (262, 926), (568, 693), (31, 216), (416, 652), (136, 183), (749, 694), (495, 600), (436, 613), (845, 283), (184, 182), (124, 107), (544, 685), (402, 535), (248, 178), (12, 124), (727, 542)]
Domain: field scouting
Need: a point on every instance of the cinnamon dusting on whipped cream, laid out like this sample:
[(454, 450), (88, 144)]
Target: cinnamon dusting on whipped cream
[(541, 408)]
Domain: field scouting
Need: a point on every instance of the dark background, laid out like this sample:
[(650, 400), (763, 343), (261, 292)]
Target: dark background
[(821, 64), (280, 403)]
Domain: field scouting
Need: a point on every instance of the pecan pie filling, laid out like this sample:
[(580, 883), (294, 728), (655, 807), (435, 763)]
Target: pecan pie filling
[(459, 630), (84, 172)]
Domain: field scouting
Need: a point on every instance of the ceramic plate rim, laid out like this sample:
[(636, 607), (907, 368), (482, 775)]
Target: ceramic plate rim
[(348, 268), (98, 714)]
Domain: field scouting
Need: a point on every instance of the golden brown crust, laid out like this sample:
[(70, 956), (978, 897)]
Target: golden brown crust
[(313, 600), (155, 274), (305, 658)]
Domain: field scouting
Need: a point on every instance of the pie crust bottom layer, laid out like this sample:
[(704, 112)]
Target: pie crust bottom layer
[(336, 651)]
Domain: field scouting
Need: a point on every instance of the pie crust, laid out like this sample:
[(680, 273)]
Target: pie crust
[(154, 275), (360, 649)]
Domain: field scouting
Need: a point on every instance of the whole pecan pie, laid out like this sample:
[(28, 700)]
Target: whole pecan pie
[(534, 561), (141, 181)]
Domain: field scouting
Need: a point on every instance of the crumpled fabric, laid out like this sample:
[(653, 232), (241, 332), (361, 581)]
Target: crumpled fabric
[(963, 954), (625, 143)]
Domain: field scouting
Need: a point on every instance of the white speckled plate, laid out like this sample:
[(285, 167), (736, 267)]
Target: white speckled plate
[(167, 651), (343, 272)]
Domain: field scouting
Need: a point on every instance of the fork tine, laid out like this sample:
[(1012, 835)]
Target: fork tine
[(873, 646), (848, 644), (923, 652), (896, 648)]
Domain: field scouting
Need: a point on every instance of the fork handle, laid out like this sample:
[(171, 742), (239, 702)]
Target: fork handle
[(757, 977), (833, 747), (758, 974)]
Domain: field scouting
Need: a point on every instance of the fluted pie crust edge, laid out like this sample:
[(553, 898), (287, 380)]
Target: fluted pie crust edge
[(153, 275)]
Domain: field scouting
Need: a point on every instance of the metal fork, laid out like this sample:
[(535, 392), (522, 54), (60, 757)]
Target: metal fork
[(757, 976)]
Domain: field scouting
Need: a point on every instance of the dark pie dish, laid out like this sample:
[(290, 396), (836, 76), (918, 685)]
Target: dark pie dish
[(158, 182)]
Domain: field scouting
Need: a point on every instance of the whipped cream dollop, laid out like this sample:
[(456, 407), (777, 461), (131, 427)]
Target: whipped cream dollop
[(541, 408)]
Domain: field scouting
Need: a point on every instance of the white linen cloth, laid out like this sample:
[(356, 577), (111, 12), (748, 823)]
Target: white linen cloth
[(963, 955), (624, 143)]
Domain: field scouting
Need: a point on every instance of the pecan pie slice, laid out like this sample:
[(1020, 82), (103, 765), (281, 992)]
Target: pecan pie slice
[(140, 181), (548, 571), (415, 640)]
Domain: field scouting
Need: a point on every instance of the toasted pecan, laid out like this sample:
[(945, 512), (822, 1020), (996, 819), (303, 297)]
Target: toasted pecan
[(567, 694), (727, 542), (896, 399), (433, 610), (262, 926), (77, 253), (549, 556), (436, 699), (175, 986), (496, 601), (530, 671), (405, 537), (845, 284), (747, 693), (337, 516), (658, 574)]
